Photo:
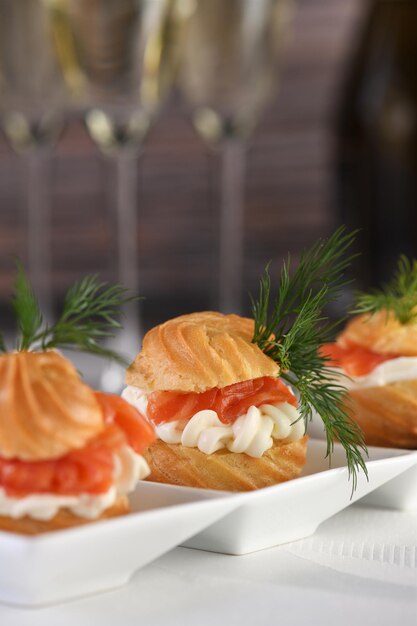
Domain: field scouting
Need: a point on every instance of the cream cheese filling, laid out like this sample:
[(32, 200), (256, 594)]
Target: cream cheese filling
[(129, 468), (391, 371), (252, 433)]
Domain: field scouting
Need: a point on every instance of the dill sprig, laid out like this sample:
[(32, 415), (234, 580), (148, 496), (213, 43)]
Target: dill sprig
[(89, 316), (399, 296), (26, 309), (291, 329)]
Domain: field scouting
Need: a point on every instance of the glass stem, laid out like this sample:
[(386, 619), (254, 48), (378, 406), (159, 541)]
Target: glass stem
[(127, 246), (39, 228), (233, 155)]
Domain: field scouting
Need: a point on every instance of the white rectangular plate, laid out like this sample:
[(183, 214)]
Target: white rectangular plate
[(70, 563), (399, 493), (293, 510), (66, 564)]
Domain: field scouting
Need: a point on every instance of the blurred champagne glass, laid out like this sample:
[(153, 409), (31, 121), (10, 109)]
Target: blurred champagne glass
[(33, 98), (229, 69), (119, 57)]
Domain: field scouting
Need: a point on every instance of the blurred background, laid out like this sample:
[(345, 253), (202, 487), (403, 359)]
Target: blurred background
[(179, 145)]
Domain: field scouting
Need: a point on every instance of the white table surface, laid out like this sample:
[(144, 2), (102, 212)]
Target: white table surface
[(360, 567)]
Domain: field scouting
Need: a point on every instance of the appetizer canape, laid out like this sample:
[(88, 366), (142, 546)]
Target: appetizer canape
[(68, 455), (223, 418), (218, 388), (378, 351)]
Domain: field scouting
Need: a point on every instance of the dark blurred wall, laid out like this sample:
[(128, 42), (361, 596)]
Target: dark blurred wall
[(376, 140), (287, 194)]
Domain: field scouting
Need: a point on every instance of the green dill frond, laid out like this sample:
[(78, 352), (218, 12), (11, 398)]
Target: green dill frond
[(291, 328), (399, 296), (26, 309), (90, 315)]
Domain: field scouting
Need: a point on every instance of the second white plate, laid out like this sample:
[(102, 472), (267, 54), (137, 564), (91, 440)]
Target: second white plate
[(399, 493), (292, 510)]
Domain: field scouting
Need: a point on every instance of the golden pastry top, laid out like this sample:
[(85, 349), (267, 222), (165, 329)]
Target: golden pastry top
[(199, 351), (45, 409), (381, 332)]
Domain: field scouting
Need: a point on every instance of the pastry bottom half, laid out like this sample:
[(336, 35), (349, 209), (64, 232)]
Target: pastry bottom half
[(387, 414), (63, 519), (229, 471)]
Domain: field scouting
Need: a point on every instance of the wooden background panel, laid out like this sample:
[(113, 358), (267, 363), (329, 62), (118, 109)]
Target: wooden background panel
[(288, 183)]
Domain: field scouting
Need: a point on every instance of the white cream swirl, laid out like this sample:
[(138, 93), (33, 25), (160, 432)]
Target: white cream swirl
[(391, 371), (251, 433), (129, 468)]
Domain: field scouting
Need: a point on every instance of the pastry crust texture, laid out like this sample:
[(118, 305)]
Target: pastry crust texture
[(199, 351), (382, 333), (229, 471), (45, 408), (63, 519), (387, 414)]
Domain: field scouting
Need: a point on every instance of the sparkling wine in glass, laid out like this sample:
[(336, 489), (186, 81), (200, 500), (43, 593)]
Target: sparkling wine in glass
[(229, 70), (119, 58), (33, 99)]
